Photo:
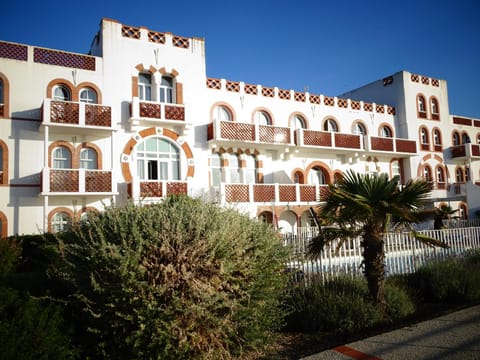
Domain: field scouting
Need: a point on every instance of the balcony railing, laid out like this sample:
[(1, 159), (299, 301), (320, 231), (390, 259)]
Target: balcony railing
[(76, 113), (277, 193), (80, 181), (156, 111), (236, 131), (469, 151), (328, 139), (391, 145)]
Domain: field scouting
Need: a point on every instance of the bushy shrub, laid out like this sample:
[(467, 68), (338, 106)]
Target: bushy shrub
[(400, 304), (177, 280), (30, 328)]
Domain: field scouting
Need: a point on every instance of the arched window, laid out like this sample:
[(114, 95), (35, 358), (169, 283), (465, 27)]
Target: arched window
[(88, 95), (61, 158), (330, 125), (359, 129), (299, 122), (396, 170), (165, 90), (88, 159), (467, 174), (317, 176), (427, 173), (434, 109), (250, 169), (421, 107), (61, 222), (459, 175), (456, 138), (145, 86), (424, 136), (440, 178), (465, 138), (262, 118), (216, 169), (385, 131), (222, 113), (62, 93), (298, 177), (158, 159), (234, 168), (437, 139)]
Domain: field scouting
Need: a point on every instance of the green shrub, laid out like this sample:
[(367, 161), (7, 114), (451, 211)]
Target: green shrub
[(177, 280), (400, 304)]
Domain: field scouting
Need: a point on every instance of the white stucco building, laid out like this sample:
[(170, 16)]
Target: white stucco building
[(139, 118)]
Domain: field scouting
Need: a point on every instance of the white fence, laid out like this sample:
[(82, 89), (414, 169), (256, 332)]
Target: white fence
[(403, 254)]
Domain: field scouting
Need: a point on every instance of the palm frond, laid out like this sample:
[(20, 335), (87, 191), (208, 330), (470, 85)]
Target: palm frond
[(429, 240)]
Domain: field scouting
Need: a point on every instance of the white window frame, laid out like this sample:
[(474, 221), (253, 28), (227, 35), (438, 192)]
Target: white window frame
[(88, 159), (145, 86), (61, 158), (165, 90), (88, 95), (60, 222), (62, 93), (155, 163)]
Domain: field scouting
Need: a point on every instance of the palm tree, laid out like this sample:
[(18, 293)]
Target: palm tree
[(369, 206)]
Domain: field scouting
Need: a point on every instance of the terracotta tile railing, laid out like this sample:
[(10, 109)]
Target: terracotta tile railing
[(76, 181), (76, 113)]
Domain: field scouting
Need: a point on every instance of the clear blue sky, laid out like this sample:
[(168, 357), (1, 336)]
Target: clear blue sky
[(329, 47)]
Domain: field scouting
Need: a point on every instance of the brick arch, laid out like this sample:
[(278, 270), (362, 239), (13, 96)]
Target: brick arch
[(90, 145), (302, 115), (359, 121), (57, 144), (6, 97), (325, 118), (83, 210), (432, 115), (300, 172), (92, 86), (135, 139), (4, 226), (65, 83), (264, 109), (384, 124), (4, 177), (337, 174), (57, 210), (323, 166), (227, 105)]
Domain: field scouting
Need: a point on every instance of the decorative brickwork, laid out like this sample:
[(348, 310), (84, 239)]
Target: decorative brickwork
[(425, 80), (177, 188), (156, 37), (173, 112), (271, 134), (61, 58), (315, 99), (150, 189), (458, 151), (131, 32), (98, 181), (236, 193), (298, 96), (181, 42), (330, 101), (64, 112), (214, 83), (287, 193), (435, 82), (381, 143), (343, 103), (268, 92), (251, 89), (475, 150), (284, 94), (63, 180), (233, 86), (355, 105), (308, 193), (13, 51), (263, 193), (379, 109), (98, 115), (367, 107), (347, 141), (2, 111), (237, 131), (324, 192), (414, 78), (390, 110), (150, 110), (462, 121), (317, 138)]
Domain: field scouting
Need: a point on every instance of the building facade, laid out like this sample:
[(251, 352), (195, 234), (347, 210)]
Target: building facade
[(137, 118)]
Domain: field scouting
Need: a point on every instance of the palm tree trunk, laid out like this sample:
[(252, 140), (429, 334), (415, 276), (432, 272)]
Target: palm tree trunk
[(374, 262)]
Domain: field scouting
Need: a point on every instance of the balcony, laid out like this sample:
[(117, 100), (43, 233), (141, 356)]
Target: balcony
[(72, 114), (229, 131), (386, 145), (466, 152), (276, 193), (328, 139), (158, 113), (77, 182), (156, 189)]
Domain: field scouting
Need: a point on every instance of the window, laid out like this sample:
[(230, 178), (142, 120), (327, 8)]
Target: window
[(88, 159), (61, 222), (434, 109), (250, 169), (222, 113), (467, 174), (424, 136), (396, 171), (465, 138), (62, 93), (216, 169), (330, 125), (427, 174), (385, 131), (145, 87), (437, 138), (298, 177), (88, 95), (262, 118), (459, 175), (440, 175), (299, 122), (421, 107), (317, 176), (61, 158), (158, 159), (455, 138), (359, 129), (166, 90), (234, 168)]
